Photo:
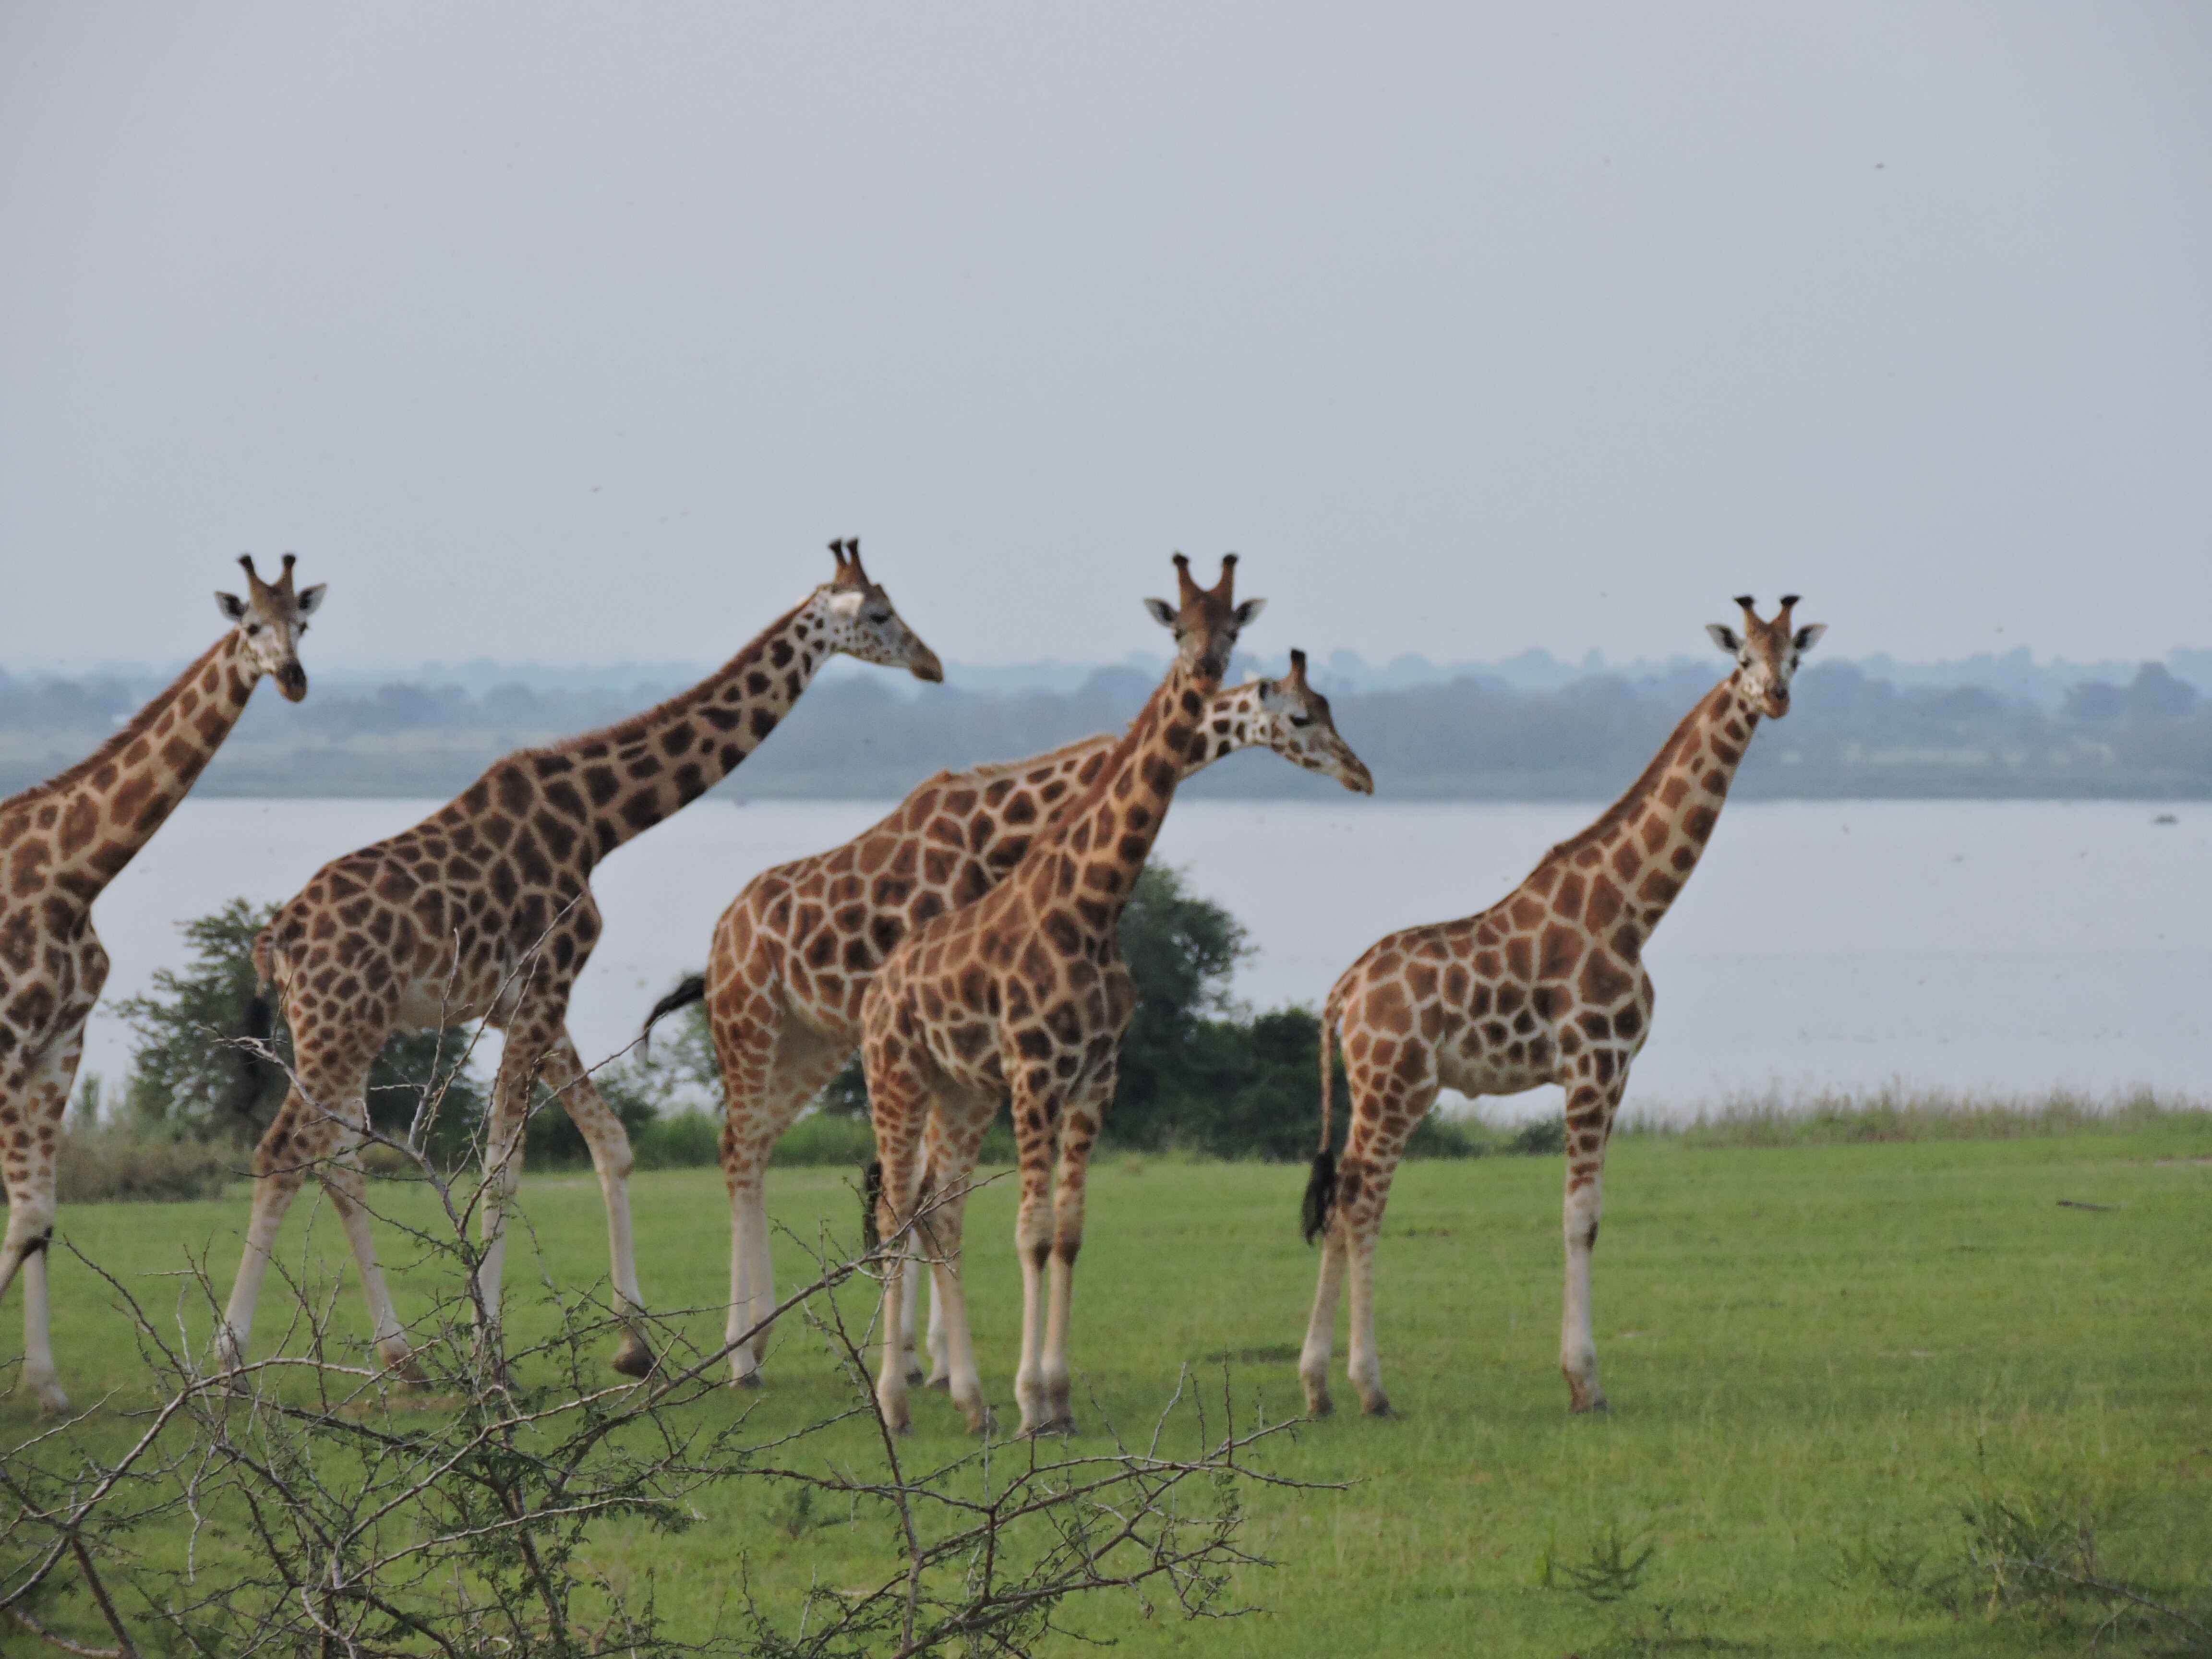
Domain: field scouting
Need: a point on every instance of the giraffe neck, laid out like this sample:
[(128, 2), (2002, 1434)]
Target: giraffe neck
[(1101, 839), (1651, 838), (1232, 719), (109, 805), (632, 775)]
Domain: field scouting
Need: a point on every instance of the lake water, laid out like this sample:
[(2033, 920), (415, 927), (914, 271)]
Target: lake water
[(1983, 948)]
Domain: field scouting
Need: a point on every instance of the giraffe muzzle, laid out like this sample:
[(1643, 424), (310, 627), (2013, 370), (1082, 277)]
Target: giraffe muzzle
[(292, 681)]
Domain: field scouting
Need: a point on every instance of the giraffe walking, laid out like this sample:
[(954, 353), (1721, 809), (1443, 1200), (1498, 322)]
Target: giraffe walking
[(1546, 986), (1023, 997), (795, 951), (484, 911), (61, 844)]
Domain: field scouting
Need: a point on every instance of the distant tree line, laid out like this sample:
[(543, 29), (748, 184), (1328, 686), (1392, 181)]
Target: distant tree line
[(1474, 737)]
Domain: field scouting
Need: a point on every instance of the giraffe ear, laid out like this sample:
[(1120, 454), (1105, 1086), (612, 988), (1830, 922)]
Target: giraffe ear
[(311, 598), (1249, 610), (1724, 636), (1810, 636), (1163, 612), (232, 607)]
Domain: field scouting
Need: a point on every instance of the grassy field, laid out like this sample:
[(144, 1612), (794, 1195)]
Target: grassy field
[(1817, 1355)]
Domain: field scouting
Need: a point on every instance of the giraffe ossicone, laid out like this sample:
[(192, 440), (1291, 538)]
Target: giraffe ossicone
[(61, 844), (1546, 986), (794, 953), (484, 910)]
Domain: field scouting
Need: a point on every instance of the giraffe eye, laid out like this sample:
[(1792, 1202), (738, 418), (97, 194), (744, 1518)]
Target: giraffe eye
[(1302, 720), (254, 628)]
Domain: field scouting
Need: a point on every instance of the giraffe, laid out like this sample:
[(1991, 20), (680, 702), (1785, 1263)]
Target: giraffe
[(795, 950), (1546, 986), (62, 843), (1023, 997), (484, 911)]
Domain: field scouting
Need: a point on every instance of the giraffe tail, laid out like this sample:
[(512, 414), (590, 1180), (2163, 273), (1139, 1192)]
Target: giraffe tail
[(693, 988), (1321, 1185), (252, 1066), (871, 1193)]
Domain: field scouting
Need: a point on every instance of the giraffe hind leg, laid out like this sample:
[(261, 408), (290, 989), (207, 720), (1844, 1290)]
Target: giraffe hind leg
[(563, 1072), (805, 1061), (1385, 1109), (320, 1117), (39, 1097)]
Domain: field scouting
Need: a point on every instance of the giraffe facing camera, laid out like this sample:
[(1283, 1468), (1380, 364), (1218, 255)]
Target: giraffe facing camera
[(1546, 986)]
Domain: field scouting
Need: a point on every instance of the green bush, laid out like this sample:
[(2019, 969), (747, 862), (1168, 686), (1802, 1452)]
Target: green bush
[(106, 1165)]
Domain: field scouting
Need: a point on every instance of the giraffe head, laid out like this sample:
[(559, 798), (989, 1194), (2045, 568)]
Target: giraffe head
[(1295, 722), (269, 620), (857, 618), (1205, 621), (1767, 653)]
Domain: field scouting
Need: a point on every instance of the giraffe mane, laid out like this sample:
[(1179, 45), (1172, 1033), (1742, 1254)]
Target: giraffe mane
[(135, 727), (1634, 797), (636, 727), (991, 771)]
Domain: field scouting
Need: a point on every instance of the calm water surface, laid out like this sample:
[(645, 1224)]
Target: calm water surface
[(1984, 948)]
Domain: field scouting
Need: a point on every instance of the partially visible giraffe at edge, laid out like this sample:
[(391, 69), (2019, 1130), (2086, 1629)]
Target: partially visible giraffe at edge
[(61, 843), (1023, 997), (794, 953), (1546, 986), (484, 911)]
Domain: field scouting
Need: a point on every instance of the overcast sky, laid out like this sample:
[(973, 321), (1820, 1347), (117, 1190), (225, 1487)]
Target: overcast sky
[(543, 331)]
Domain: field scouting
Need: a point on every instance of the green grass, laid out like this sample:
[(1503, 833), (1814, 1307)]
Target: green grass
[(1817, 1354)]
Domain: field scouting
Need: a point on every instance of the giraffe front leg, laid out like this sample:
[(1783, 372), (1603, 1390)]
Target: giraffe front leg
[(563, 1073), (1591, 1104), (503, 1175), (1037, 1111), (898, 1102), (1078, 1134)]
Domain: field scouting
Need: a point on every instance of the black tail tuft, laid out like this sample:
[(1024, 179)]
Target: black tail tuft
[(250, 1070), (692, 989), (871, 1193), (1321, 1196)]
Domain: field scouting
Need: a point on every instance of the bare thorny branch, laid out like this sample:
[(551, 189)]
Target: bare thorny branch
[(319, 1507)]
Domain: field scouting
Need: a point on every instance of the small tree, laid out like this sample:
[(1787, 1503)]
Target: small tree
[(1181, 950)]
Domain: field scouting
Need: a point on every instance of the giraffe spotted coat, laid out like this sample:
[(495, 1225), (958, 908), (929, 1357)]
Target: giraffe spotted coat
[(794, 953), (61, 844), (1546, 986), (484, 911)]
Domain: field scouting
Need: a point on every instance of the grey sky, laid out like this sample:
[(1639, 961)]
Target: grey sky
[(547, 330)]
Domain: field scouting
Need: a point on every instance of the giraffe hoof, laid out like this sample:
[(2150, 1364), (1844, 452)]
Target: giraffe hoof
[(407, 1372), (52, 1402), (942, 1384), (1378, 1406), (634, 1357), (1320, 1405), (915, 1375), (1590, 1404), (737, 1379)]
